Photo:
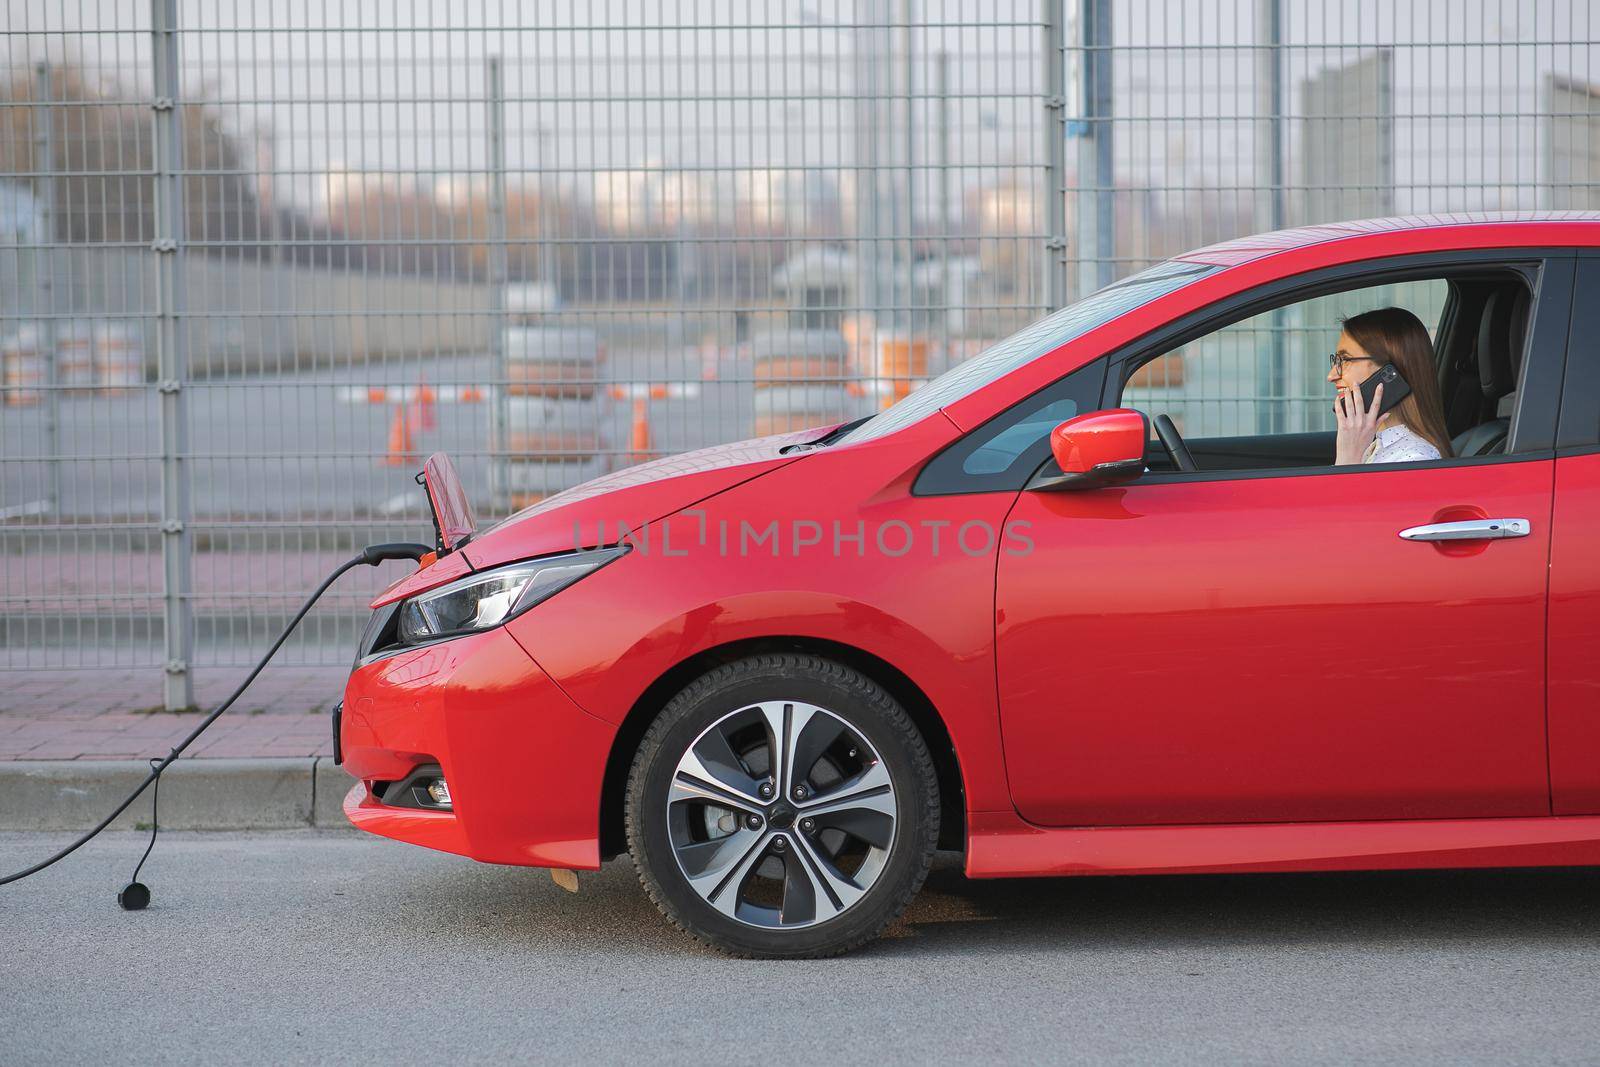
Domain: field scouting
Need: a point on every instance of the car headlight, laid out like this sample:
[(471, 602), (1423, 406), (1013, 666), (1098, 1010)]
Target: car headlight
[(484, 600)]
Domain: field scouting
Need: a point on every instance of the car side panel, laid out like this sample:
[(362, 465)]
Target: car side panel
[(1003, 846), (1269, 650), (1574, 651), (928, 612), (1574, 666)]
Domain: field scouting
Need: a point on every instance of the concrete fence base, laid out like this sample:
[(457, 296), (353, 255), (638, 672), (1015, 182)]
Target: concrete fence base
[(196, 794)]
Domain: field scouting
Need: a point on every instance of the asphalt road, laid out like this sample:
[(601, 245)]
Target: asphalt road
[(314, 947)]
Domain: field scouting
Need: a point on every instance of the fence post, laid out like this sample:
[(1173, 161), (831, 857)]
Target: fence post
[(178, 689), (497, 281), (1055, 155), (1096, 219), (1272, 374), (947, 285), (866, 59), (44, 164), (905, 291)]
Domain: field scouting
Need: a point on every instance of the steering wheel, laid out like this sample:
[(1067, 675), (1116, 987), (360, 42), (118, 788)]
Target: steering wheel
[(1172, 441)]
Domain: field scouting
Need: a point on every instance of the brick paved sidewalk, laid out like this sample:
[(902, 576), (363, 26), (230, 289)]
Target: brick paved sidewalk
[(112, 714)]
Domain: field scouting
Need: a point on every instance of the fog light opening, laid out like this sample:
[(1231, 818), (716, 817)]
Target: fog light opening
[(425, 788)]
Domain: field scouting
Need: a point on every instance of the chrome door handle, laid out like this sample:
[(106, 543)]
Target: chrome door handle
[(1471, 530)]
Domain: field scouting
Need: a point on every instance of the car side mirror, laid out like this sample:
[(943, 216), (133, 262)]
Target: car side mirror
[(1095, 450)]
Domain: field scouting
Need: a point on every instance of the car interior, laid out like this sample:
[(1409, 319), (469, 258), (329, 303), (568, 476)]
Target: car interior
[(1478, 342)]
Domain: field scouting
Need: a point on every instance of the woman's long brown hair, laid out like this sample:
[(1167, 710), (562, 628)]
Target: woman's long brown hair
[(1394, 335)]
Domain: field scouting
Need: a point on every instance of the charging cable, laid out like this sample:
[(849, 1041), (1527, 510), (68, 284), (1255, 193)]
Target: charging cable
[(135, 895)]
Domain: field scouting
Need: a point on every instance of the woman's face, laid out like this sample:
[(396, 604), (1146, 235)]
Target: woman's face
[(1353, 367)]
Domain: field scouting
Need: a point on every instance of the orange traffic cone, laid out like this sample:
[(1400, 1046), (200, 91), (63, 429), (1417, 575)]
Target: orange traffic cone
[(399, 453), (641, 448), (423, 414)]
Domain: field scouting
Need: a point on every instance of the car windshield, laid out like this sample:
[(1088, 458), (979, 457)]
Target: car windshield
[(1029, 343)]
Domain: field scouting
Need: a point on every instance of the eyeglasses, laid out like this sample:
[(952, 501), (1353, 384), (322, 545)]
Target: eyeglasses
[(1336, 362)]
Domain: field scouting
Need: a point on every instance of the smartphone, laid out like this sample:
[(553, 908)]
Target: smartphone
[(1395, 388)]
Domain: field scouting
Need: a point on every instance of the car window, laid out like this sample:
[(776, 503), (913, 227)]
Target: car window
[(1254, 394), (1267, 374), (1044, 336), (1003, 452), (1211, 383), (1001, 449)]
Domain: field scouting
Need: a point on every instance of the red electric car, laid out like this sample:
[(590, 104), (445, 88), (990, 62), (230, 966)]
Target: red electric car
[(1004, 617)]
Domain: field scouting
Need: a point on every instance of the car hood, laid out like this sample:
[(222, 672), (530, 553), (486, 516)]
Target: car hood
[(603, 510)]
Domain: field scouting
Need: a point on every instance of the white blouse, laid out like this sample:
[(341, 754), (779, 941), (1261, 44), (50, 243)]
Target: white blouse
[(1399, 444)]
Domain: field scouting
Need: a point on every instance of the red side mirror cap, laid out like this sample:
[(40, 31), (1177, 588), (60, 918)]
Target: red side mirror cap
[(1097, 449)]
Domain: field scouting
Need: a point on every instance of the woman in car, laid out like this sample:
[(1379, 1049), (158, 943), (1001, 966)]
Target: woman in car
[(1415, 429)]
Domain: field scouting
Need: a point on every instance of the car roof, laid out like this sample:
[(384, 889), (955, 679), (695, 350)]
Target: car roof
[(1257, 246)]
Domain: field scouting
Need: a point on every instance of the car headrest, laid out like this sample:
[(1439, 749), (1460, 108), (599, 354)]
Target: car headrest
[(1496, 338)]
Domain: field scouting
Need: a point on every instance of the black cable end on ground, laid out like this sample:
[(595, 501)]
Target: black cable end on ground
[(135, 896)]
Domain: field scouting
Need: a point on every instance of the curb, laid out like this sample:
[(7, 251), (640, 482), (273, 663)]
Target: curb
[(196, 794)]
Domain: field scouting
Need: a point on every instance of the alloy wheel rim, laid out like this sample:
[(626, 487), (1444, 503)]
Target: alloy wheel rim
[(781, 815)]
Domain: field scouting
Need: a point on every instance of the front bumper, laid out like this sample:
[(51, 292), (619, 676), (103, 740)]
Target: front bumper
[(525, 764)]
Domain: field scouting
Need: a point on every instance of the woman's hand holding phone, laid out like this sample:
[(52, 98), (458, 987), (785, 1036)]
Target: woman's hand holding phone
[(1358, 425)]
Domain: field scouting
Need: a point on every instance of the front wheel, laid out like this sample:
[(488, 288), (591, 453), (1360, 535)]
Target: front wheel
[(782, 805)]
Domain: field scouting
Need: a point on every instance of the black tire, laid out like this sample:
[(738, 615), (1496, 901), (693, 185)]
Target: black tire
[(894, 745)]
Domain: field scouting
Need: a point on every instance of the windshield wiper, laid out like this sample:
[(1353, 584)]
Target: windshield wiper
[(826, 439)]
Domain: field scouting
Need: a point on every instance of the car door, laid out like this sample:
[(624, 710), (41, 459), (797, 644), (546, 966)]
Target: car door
[(1574, 666), (1266, 647)]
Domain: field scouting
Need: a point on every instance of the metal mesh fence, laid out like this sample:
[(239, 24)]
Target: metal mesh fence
[(258, 259)]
